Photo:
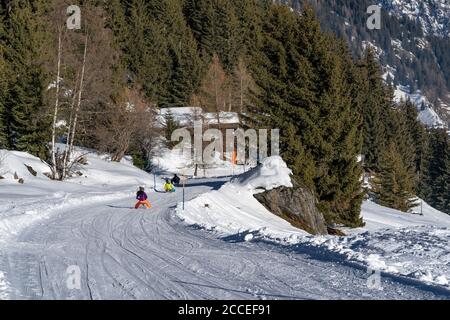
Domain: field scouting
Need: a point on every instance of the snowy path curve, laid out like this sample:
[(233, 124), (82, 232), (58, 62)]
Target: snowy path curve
[(127, 254)]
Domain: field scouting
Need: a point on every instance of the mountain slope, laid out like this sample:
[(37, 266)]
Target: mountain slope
[(413, 44)]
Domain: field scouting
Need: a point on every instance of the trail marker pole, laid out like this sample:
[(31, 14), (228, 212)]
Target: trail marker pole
[(183, 179)]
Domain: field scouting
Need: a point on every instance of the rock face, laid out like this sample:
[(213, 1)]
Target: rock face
[(296, 205)]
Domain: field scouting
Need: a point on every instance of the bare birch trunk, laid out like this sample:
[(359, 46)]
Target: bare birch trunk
[(69, 130), (55, 113), (80, 92)]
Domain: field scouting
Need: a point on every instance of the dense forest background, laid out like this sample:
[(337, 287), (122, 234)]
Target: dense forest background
[(414, 57), (274, 66)]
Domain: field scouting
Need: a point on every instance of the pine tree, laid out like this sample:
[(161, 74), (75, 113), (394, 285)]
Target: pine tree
[(145, 50), (418, 139), (200, 18), (3, 77), (228, 39), (117, 22), (305, 81), (25, 41), (170, 125), (374, 105), (186, 66), (394, 185), (437, 175), (158, 48), (250, 14)]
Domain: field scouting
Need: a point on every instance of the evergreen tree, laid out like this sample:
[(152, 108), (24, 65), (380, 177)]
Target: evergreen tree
[(3, 77), (418, 139), (437, 175), (144, 48), (305, 82), (158, 48), (25, 40), (186, 68), (228, 39), (373, 107), (170, 125), (250, 15), (200, 18), (394, 185)]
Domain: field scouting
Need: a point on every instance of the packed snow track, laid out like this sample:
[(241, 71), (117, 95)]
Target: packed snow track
[(124, 253)]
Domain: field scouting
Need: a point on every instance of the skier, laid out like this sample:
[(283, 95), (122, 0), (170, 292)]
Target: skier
[(168, 186), (176, 180), (142, 198)]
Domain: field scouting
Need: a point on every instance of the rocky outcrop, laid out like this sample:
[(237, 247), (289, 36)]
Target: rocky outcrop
[(297, 205)]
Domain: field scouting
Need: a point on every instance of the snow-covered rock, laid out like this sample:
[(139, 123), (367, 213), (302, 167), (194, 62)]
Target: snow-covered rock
[(233, 210)]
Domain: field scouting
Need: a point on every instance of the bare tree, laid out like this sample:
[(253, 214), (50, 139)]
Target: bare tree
[(55, 174), (223, 92), (71, 137), (69, 130), (242, 86), (212, 94), (129, 120)]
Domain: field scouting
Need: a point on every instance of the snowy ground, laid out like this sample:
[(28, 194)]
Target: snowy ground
[(124, 253), (411, 245)]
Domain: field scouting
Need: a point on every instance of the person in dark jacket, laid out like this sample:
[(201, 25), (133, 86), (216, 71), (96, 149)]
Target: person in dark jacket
[(142, 198), (176, 180)]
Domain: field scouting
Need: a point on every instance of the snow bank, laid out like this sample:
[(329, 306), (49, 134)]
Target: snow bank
[(378, 217), (12, 162), (232, 210), (272, 173), (98, 171)]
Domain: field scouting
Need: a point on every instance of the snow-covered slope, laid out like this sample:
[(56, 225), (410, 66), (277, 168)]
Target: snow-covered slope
[(39, 197), (433, 15), (412, 44), (427, 114)]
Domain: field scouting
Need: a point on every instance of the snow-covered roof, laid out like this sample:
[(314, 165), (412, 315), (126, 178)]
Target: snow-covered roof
[(185, 116), (224, 117)]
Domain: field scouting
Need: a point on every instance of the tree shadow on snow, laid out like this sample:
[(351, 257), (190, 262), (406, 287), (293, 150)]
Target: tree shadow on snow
[(253, 294), (324, 255), (214, 185)]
